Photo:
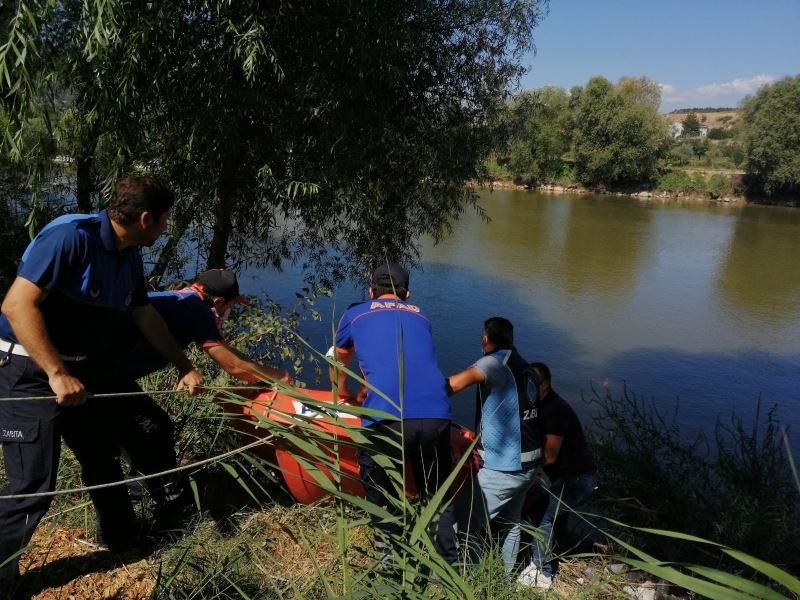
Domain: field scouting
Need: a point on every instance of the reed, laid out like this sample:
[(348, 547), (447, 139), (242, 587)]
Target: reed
[(252, 542)]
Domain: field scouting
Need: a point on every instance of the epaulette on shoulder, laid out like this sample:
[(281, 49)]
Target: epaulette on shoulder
[(356, 304)]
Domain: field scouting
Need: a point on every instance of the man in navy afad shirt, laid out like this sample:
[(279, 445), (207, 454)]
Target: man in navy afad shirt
[(393, 341), (510, 440), (143, 429), (194, 315), (77, 278)]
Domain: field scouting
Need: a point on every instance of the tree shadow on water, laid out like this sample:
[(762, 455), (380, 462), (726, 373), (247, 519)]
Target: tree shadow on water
[(457, 300), (713, 386)]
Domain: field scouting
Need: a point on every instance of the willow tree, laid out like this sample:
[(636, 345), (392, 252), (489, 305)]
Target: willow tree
[(327, 130), (619, 136), (771, 132), (542, 124)]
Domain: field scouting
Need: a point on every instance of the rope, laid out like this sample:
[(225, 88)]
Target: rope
[(102, 486), (143, 393)]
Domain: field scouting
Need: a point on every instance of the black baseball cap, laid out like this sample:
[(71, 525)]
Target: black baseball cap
[(390, 275), (222, 283)]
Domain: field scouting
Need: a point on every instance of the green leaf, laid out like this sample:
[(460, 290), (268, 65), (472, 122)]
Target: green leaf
[(739, 583), (776, 574), (233, 473), (693, 584)]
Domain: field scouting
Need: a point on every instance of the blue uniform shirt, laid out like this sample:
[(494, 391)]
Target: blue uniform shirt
[(509, 424), (374, 328), (90, 284), (189, 319)]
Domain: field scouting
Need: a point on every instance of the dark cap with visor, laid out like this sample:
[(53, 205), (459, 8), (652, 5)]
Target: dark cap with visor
[(390, 275), (222, 283)]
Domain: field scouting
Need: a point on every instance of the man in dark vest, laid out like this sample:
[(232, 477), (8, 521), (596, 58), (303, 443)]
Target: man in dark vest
[(510, 442), (142, 429)]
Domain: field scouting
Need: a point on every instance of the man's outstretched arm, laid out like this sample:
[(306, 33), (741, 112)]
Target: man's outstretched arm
[(464, 379), (240, 366), (552, 446)]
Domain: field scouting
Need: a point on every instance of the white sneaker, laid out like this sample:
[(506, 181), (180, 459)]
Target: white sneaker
[(531, 576)]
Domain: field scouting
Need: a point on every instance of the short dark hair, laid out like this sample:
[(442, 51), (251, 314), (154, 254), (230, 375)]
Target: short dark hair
[(499, 331), (542, 370), (136, 195), (380, 290)]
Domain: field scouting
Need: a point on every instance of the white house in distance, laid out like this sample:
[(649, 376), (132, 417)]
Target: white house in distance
[(676, 129)]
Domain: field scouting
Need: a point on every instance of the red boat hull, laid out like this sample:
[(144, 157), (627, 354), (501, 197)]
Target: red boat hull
[(286, 410)]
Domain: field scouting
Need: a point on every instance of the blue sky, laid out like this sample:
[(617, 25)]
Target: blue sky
[(703, 53)]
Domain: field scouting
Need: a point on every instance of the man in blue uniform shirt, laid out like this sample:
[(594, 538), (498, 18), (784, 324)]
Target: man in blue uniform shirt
[(510, 441), (382, 332), (75, 280)]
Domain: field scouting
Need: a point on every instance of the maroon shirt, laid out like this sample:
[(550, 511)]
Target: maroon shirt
[(556, 417)]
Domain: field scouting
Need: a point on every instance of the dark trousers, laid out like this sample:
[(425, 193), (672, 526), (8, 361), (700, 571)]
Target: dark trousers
[(31, 435), (31, 432), (98, 430), (140, 427), (426, 444)]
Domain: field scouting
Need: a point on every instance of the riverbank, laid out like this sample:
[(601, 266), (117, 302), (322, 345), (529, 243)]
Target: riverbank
[(663, 195), (645, 194)]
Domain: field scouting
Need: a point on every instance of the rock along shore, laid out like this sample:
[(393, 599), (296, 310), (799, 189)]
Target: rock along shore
[(645, 195)]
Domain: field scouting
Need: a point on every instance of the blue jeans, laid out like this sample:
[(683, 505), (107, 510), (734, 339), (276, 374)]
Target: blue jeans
[(499, 497), (565, 493)]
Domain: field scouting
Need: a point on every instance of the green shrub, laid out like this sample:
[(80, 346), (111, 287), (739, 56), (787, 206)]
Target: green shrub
[(698, 183), (699, 146), (719, 185), (718, 133), (734, 486), (681, 154), (717, 159), (567, 175), (734, 151), (493, 170), (675, 181)]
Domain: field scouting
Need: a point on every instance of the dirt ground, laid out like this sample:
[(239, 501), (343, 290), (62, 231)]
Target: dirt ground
[(64, 565)]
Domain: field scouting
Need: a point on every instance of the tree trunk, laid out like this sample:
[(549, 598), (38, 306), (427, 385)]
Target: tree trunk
[(226, 194), (85, 187), (167, 255)]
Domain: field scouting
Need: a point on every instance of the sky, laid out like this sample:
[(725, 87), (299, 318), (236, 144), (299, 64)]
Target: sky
[(702, 52)]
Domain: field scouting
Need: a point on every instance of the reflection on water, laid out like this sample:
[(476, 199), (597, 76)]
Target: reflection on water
[(761, 273), (603, 247), (697, 302)]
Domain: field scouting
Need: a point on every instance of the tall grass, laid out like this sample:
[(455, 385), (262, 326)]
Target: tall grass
[(255, 543), (738, 487)]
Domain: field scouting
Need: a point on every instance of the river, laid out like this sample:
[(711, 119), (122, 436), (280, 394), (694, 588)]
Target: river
[(690, 302)]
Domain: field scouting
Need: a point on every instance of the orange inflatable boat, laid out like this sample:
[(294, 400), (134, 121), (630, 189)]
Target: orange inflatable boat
[(328, 428)]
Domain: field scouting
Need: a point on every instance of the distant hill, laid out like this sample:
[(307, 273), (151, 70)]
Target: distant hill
[(721, 118), (707, 109)]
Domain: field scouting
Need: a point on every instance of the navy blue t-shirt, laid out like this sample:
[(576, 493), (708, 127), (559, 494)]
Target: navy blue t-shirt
[(189, 319), (375, 329), (90, 284)]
